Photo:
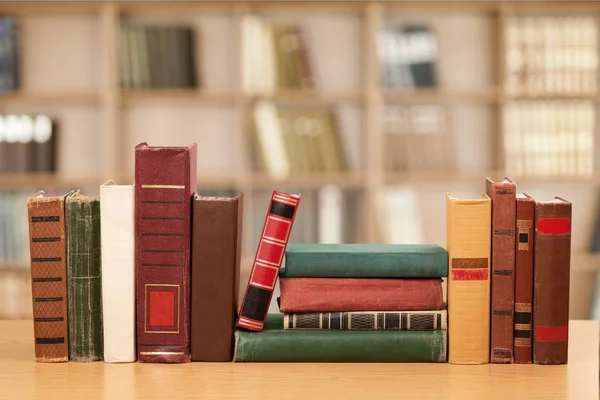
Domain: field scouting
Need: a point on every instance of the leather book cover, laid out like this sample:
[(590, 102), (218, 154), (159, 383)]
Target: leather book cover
[(165, 181), (360, 294), (551, 272), (47, 245), (267, 261), (504, 205), (118, 271), (524, 278), (84, 275), (216, 256), (368, 320), (468, 241)]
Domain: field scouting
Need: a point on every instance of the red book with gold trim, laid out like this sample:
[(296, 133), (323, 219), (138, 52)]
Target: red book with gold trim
[(551, 271), (165, 180), (267, 262)]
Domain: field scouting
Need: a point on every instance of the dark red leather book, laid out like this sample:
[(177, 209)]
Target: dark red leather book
[(267, 261), (551, 272), (524, 278), (360, 294), (504, 204), (165, 180)]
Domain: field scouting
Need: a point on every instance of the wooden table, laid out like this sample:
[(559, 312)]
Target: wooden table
[(21, 378)]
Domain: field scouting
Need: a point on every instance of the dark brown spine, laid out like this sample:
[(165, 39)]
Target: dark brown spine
[(49, 277), (524, 278), (216, 238), (503, 195), (551, 270)]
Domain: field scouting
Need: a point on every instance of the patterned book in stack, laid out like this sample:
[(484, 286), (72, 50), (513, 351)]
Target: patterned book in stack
[(355, 303)]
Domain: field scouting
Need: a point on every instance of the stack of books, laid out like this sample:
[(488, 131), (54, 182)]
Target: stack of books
[(355, 302)]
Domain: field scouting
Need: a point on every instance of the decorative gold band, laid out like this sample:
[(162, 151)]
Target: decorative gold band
[(523, 307)]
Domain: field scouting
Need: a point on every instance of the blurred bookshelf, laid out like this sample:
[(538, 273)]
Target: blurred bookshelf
[(372, 110)]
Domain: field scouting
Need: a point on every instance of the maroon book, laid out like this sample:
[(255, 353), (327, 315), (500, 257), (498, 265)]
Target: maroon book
[(359, 294), (267, 261), (165, 180), (504, 204), (524, 278), (551, 272)]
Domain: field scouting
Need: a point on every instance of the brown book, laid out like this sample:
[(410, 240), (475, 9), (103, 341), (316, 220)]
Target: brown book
[(216, 255), (523, 278), (48, 277), (551, 270), (503, 195)]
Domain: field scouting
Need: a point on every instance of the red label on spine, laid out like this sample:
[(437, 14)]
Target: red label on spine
[(554, 226), (551, 333), (470, 274)]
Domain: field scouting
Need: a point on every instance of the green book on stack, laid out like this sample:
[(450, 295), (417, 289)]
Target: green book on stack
[(274, 344), (84, 291), (365, 261)]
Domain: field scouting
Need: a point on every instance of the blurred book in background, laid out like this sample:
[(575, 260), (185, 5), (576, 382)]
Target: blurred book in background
[(9, 54)]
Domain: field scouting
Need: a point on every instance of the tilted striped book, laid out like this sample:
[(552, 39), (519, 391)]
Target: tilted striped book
[(369, 320)]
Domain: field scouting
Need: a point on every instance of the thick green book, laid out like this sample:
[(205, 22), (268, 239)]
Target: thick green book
[(274, 344), (365, 261), (84, 293)]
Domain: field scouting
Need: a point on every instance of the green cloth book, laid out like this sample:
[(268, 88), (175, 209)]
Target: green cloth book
[(274, 344), (84, 293), (365, 261)]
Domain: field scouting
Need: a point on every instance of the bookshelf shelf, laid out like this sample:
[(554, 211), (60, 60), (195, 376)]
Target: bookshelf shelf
[(343, 180), (51, 98), (442, 96), (552, 96), (22, 270), (413, 177), (29, 182), (310, 96), (174, 96)]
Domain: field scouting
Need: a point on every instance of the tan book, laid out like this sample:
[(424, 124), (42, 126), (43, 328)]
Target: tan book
[(468, 241)]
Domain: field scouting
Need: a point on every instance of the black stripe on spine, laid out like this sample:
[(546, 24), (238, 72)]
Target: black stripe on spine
[(282, 210), (52, 279), (49, 319), (503, 313), (503, 272), (47, 299), (45, 239), (52, 218), (438, 321), (49, 340), (291, 320), (523, 334), (325, 320), (522, 317), (404, 321), (380, 319), (47, 259), (257, 303), (335, 320), (345, 320), (392, 321)]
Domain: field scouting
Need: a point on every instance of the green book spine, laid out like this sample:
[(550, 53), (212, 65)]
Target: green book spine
[(274, 344), (365, 261), (84, 278)]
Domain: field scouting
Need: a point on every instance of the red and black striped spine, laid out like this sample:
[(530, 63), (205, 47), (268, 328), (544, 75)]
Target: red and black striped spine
[(267, 261)]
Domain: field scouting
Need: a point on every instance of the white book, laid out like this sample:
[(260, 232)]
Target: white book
[(118, 271)]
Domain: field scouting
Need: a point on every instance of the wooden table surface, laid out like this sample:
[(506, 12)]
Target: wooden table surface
[(22, 378)]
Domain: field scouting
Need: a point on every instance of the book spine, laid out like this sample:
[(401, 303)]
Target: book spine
[(357, 294), (216, 241), (165, 180), (48, 278), (267, 261), (468, 235), (340, 346), (504, 203), (552, 258), (118, 272), (524, 280), (368, 320), (84, 279)]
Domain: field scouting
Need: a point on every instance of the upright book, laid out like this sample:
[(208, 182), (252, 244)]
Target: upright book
[(84, 277), (468, 237), (48, 277), (551, 266), (165, 181), (524, 278), (118, 271), (267, 261), (216, 253), (504, 204)]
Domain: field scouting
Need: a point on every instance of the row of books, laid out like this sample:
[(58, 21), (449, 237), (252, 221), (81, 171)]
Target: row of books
[(550, 138), (28, 143), (552, 54), (14, 237), (157, 56)]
